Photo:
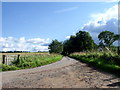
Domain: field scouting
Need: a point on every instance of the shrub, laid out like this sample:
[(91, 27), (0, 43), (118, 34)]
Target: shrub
[(8, 68), (106, 61)]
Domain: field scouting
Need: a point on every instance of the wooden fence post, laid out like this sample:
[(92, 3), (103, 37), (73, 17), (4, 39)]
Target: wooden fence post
[(18, 58), (3, 61)]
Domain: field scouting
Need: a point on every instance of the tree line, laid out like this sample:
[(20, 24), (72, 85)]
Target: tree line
[(82, 41)]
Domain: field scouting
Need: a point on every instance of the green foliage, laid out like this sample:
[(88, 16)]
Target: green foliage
[(105, 61), (30, 61), (84, 41), (81, 42), (56, 47), (9, 68), (107, 38), (116, 37), (114, 49), (69, 45)]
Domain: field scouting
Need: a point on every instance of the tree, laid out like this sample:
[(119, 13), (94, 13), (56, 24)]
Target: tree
[(107, 38), (117, 37), (82, 41), (55, 47), (66, 47), (69, 45)]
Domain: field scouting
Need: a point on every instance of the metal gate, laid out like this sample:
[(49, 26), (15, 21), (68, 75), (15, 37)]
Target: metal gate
[(7, 59)]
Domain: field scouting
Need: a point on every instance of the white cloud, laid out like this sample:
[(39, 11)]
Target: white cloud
[(67, 37), (67, 9), (39, 48), (112, 1), (38, 41), (110, 13), (103, 21), (22, 44)]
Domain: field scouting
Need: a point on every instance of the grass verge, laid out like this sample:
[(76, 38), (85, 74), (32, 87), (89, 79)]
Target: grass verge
[(31, 61), (108, 62)]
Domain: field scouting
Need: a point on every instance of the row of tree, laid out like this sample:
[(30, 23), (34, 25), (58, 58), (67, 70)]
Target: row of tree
[(82, 41)]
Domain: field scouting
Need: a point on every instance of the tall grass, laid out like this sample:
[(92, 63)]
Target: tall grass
[(31, 61), (106, 61)]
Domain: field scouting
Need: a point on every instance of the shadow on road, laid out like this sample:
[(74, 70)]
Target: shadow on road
[(114, 84), (115, 74)]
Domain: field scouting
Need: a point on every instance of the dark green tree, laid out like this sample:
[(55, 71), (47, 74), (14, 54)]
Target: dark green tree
[(107, 38), (117, 37), (66, 47), (55, 47), (69, 45), (82, 41)]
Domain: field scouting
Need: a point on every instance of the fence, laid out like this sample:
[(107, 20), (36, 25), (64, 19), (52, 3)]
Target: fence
[(7, 59)]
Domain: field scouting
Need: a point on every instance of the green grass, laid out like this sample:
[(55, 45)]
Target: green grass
[(105, 61), (31, 61), (9, 68)]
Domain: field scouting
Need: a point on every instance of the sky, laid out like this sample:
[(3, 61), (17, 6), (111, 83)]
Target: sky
[(31, 26)]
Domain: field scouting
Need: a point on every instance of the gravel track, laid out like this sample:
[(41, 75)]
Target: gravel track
[(66, 73)]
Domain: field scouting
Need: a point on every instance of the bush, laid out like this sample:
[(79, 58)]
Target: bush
[(109, 62), (8, 68)]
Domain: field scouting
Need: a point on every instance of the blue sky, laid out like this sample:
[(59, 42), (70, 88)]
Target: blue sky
[(43, 22)]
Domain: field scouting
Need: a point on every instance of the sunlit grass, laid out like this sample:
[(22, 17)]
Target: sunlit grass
[(106, 61), (31, 61)]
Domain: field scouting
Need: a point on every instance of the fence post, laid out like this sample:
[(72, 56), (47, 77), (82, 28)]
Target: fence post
[(3, 61), (6, 62), (18, 58)]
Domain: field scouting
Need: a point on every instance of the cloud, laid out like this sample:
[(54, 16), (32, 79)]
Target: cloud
[(112, 0), (67, 37), (38, 41), (39, 48), (102, 21), (67, 10), (22, 44)]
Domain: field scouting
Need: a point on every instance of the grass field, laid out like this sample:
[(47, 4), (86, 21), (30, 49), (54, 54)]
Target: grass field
[(31, 60), (105, 61), (31, 53)]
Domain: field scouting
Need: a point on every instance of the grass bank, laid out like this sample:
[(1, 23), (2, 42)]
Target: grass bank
[(31, 61), (105, 61)]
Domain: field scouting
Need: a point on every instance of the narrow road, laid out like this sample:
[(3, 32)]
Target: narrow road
[(66, 73)]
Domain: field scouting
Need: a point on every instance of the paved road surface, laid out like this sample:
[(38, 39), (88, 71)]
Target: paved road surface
[(67, 73)]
